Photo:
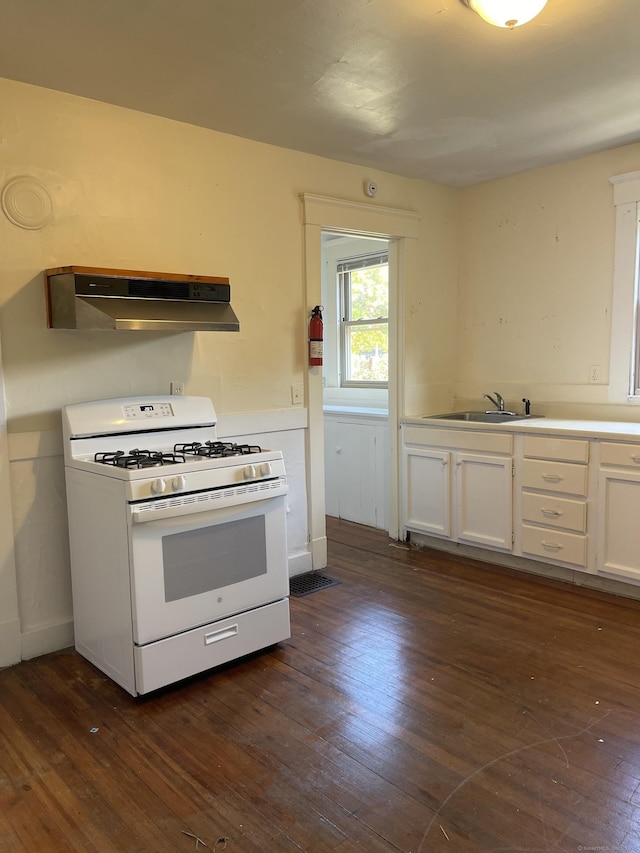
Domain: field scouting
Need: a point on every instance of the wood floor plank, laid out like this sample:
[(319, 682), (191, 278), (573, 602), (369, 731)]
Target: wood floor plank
[(426, 703)]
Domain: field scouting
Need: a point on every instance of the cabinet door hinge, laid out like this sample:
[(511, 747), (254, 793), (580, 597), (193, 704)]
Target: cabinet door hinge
[(513, 470)]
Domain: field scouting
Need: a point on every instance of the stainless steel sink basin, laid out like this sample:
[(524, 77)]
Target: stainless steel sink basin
[(481, 417)]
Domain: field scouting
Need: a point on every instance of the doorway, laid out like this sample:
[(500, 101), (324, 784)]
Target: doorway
[(357, 282), (401, 229)]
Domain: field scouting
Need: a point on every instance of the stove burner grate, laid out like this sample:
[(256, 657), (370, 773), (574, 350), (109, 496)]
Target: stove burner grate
[(139, 458), (216, 449)]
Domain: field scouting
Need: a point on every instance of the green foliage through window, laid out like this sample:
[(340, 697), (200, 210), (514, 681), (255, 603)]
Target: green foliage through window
[(364, 291)]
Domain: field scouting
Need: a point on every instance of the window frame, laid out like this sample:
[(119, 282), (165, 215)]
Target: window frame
[(624, 379), (344, 268)]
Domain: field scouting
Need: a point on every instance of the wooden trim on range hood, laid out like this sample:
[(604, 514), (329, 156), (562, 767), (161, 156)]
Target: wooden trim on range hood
[(99, 298)]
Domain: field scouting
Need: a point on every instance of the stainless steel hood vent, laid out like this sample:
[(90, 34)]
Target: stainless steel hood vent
[(96, 298)]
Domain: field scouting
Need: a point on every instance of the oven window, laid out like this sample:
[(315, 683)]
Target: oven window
[(210, 558)]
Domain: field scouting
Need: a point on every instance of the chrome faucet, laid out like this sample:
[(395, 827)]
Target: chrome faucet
[(498, 402)]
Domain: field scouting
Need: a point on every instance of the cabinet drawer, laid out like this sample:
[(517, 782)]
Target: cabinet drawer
[(562, 449), (458, 439), (621, 455), (554, 545), (554, 512), (554, 476)]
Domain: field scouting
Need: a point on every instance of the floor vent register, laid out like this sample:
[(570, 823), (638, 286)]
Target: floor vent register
[(309, 582)]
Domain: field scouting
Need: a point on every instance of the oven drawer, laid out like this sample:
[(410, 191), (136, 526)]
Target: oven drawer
[(172, 659)]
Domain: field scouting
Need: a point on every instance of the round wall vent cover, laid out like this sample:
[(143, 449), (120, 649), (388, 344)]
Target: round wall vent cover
[(27, 203)]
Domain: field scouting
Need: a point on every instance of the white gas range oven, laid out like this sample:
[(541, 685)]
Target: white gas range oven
[(178, 541)]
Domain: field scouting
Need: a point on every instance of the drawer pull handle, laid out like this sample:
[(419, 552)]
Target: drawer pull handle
[(551, 513), (552, 478), (635, 459), (552, 546), (222, 634)]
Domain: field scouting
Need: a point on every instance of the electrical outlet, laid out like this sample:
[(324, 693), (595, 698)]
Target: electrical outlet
[(297, 393), (594, 373), (177, 388)]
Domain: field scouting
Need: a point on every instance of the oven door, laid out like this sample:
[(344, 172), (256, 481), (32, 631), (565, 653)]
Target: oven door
[(194, 568)]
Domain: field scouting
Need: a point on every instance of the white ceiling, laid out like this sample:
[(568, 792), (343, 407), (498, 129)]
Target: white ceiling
[(422, 88)]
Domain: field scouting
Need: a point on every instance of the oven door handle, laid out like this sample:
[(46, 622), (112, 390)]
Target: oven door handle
[(206, 502), (221, 634)]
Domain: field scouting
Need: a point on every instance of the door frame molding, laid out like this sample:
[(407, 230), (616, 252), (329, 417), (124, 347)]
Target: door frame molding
[(401, 228), (10, 628)]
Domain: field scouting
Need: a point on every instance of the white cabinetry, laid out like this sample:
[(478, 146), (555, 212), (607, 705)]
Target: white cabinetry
[(575, 492), (356, 469), (426, 490), (483, 488), (554, 487), (619, 511), (458, 484)]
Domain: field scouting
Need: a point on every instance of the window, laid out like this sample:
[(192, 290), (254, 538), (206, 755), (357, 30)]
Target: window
[(624, 381), (635, 368), (363, 287)]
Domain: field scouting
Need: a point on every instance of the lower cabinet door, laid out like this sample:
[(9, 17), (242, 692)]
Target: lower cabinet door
[(483, 500), (427, 500), (618, 548)]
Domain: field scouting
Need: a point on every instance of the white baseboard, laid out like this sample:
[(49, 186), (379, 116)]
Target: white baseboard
[(45, 640), (10, 643), (300, 563), (319, 552)]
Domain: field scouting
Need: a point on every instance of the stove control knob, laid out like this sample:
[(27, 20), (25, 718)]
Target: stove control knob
[(249, 472), (178, 483), (265, 469), (158, 486)]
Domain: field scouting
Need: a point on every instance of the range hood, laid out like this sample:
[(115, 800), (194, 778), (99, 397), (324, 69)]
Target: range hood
[(96, 298)]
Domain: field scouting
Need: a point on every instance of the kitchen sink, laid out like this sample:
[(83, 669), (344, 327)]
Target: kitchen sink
[(481, 417)]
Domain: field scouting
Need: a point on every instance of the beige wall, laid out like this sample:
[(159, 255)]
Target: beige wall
[(135, 191), (535, 286), (140, 192)]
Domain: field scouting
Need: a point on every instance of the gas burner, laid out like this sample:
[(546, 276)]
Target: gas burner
[(216, 449), (139, 458)]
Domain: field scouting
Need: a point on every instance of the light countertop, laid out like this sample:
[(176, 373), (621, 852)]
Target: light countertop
[(357, 411), (621, 430)]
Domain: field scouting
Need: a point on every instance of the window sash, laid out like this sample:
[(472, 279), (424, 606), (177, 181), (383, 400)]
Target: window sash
[(347, 354), (344, 269), (361, 262)]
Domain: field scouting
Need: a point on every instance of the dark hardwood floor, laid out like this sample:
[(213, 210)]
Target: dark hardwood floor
[(426, 703)]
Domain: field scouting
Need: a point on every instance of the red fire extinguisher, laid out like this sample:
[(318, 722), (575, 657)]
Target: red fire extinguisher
[(315, 337)]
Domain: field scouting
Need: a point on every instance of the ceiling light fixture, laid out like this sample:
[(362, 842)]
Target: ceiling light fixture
[(506, 13)]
